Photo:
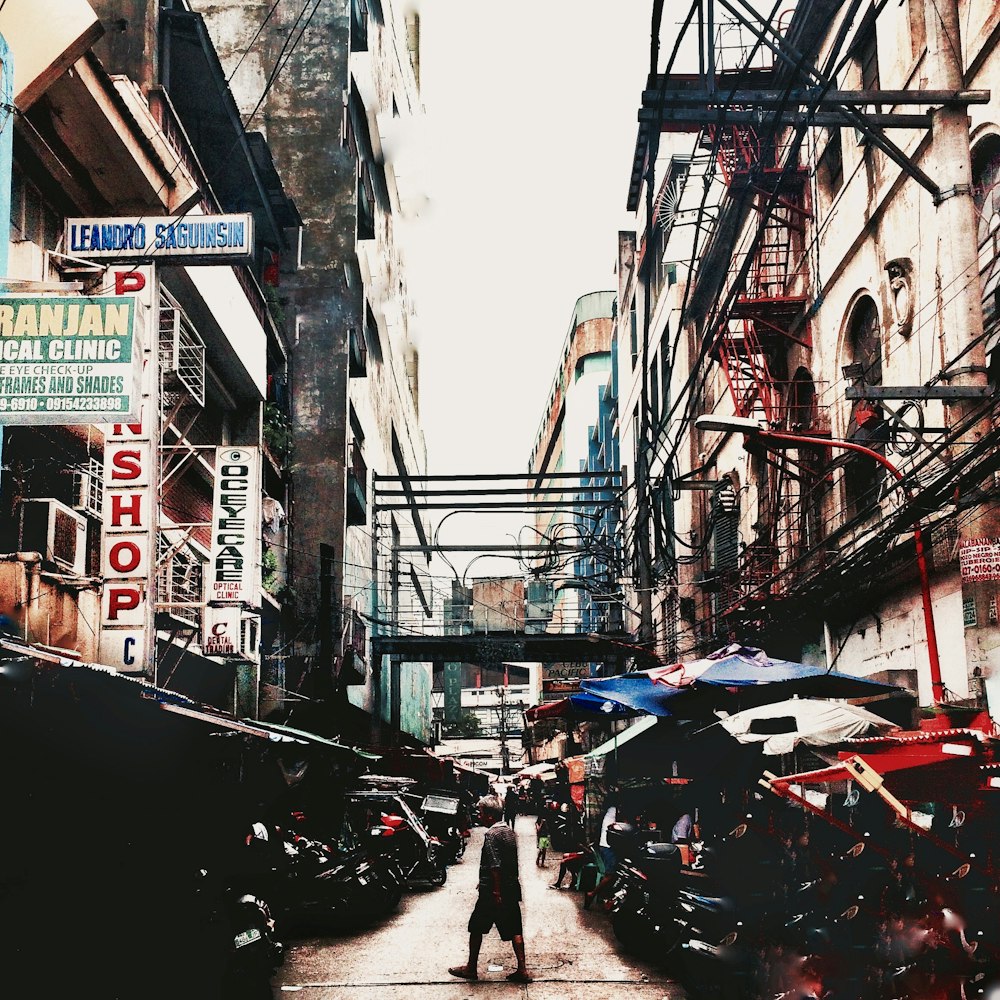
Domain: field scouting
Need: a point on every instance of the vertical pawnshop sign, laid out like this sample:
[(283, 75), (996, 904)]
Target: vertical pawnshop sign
[(127, 557), (234, 569)]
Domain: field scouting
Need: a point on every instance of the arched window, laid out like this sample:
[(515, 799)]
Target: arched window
[(986, 193), (862, 475), (810, 483), (801, 401)]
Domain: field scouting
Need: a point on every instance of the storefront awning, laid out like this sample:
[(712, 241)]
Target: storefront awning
[(577, 706), (636, 729), (782, 726), (915, 767)]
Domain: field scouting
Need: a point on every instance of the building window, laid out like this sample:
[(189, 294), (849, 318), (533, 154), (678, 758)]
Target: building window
[(664, 372), (31, 216), (832, 162), (633, 326), (986, 192), (866, 53), (863, 476), (808, 469)]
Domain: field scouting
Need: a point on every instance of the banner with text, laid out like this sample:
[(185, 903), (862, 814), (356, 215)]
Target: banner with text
[(68, 360), (234, 572), (127, 550), (217, 238)]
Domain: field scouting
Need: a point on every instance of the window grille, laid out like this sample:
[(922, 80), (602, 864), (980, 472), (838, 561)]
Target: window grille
[(180, 581), (182, 351), (88, 487)]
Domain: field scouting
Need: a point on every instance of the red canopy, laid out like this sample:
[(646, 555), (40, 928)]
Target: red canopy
[(942, 766), (553, 710)]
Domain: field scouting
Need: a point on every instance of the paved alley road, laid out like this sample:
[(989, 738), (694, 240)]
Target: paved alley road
[(571, 952)]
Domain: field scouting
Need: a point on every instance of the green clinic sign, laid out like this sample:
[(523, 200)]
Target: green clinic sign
[(68, 360)]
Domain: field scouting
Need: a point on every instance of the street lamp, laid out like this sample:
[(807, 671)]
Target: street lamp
[(754, 429)]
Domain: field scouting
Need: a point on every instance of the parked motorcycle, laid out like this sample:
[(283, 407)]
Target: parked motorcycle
[(242, 951), (332, 886), (255, 951), (644, 893), (397, 832)]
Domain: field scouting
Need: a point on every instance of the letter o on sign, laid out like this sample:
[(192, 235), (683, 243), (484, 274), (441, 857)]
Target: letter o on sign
[(124, 557)]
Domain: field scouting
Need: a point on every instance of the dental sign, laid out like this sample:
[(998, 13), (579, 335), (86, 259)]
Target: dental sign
[(234, 568), (217, 238), (68, 359)]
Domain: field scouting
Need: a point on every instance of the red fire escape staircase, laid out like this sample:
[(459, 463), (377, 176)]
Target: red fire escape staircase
[(751, 342)]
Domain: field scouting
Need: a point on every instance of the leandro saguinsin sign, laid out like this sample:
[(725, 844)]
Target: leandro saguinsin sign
[(222, 238)]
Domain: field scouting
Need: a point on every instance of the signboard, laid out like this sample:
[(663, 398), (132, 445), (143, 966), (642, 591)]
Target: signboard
[(452, 692), (222, 634), (128, 511), (234, 571), (68, 359), (979, 559), (219, 238), (233, 579)]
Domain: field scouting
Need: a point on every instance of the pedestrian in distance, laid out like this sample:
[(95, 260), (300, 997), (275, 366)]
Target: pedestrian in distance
[(510, 804), (544, 840), (499, 902)]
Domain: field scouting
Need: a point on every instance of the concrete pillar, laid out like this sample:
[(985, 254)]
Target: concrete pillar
[(960, 321)]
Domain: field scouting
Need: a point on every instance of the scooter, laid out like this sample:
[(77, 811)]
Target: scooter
[(256, 952), (644, 893)]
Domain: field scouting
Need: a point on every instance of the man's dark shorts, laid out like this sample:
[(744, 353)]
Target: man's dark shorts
[(506, 916)]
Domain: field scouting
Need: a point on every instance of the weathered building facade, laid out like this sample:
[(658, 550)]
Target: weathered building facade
[(335, 89), (111, 528), (808, 271)]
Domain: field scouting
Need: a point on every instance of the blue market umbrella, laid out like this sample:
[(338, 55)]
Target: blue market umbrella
[(735, 667)]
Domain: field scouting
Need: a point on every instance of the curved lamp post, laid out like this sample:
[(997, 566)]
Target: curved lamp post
[(753, 429)]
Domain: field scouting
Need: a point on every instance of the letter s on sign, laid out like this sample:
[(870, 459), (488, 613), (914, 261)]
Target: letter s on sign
[(126, 465)]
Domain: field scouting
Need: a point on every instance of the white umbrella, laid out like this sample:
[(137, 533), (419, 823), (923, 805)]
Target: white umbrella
[(815, 721)]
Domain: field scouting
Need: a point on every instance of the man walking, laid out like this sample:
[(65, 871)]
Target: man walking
[(499, 901)]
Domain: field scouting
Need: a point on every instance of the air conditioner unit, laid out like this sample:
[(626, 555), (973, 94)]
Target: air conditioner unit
[(88, 488), (59, 533)]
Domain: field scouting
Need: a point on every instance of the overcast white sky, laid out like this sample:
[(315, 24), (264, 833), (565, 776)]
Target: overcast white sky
[(530, 127)]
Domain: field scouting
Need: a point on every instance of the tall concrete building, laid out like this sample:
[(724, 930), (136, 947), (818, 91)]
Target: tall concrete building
[(333, 87), (582, 510)]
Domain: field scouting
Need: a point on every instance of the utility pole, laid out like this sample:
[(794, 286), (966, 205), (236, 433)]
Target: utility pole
[(326, 621), (960, 325), (501, 710)]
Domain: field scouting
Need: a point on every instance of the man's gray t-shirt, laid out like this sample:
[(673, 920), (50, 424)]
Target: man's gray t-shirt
[(500, 851)]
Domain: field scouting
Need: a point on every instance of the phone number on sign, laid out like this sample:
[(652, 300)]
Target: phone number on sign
[(102, 404)]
